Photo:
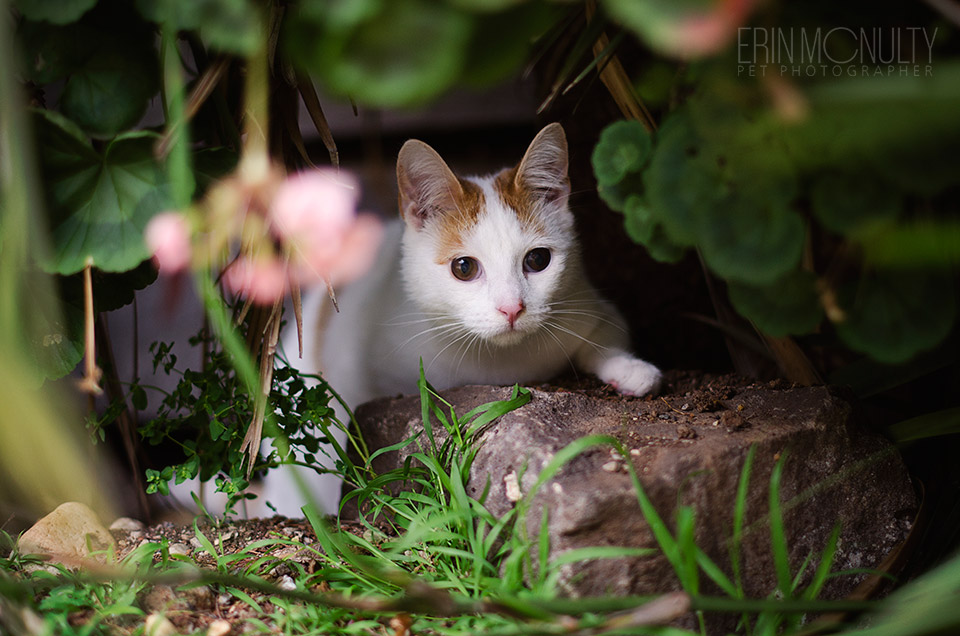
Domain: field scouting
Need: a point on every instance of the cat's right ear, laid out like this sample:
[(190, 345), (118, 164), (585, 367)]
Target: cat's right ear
[(427, 185)]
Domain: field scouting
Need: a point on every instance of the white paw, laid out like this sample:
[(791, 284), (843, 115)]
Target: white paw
[(629, 375)]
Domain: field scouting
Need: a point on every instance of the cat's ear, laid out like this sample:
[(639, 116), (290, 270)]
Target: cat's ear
[(543, 169), (427, 185)]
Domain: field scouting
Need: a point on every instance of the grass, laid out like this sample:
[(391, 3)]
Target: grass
[(433, 560)]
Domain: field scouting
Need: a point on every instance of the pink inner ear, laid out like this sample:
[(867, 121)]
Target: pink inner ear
[(543, 168), (425, 182)]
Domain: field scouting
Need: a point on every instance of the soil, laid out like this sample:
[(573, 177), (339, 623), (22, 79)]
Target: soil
[(197, 608)]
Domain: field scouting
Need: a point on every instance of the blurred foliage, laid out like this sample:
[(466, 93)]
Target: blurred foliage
[(842, 209)]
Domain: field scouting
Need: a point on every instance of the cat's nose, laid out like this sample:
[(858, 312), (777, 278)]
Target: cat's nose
[(512, 310)]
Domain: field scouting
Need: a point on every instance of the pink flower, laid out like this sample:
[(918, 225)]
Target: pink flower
[(168, 237), (703, 33), (314, 213), (262, 280)]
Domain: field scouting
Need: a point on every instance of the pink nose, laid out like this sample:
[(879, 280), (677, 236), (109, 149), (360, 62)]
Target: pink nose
[(512, 311)]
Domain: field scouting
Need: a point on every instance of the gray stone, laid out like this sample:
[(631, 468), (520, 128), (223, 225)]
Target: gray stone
[(688, 450), (127, 524)]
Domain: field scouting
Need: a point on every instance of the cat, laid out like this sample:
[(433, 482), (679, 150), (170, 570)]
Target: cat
[(481, 279)]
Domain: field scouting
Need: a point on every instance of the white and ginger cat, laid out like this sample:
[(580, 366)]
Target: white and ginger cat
[(481, 279)]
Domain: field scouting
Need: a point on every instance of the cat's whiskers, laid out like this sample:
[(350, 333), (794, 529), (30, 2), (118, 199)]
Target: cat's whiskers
[(440, 331), (458, 339), (548, 324), (594, 315), (553, 324)]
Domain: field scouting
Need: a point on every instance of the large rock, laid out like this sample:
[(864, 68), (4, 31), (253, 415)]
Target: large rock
[(71, 535), (688, 450)]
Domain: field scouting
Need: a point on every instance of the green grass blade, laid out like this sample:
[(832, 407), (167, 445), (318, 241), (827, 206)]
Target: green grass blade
[(778, 536), (822, 573)]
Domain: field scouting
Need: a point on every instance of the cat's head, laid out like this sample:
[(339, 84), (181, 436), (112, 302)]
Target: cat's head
[(491, 254)]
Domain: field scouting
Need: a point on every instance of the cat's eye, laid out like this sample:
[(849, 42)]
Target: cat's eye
[(536, 260), (465, 268)]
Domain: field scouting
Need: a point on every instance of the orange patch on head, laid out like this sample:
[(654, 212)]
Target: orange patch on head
[(519, 198), (450, 226)]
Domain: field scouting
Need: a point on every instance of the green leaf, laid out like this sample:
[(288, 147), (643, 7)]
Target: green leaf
[(57, 342), (138, 397), (111, 90), (644, 227), (945, 422), (851, 203), (51, 52), (514, 30), (894, 315), (404, 54), (789, 305), (55, 11), (624, 147), (110, 290), (730, 193), (100, 202), (232, 26)]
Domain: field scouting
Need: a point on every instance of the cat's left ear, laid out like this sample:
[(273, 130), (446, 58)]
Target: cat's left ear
[(543, 168)]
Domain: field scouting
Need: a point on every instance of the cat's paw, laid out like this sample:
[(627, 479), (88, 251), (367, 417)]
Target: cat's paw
[(630, 376)]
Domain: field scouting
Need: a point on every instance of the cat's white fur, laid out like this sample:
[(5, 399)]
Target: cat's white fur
[(411, 307)]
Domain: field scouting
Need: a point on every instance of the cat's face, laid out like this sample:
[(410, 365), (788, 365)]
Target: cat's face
[(489, 256)]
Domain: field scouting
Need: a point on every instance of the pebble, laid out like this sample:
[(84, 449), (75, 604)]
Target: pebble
[(286, 583), (218, 627), (127, 523), (179, 548), (195, 542), (159, 625), (512, 486), (611, 466)]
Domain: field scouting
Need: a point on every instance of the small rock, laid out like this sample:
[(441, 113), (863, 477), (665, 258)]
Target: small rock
[(611, 466), (195, 542), (225, 599), (685, 432), (159, 625), (71, 534), (286, 583), (218, 627), (160, 598), (512, 486), (733, 421), (127, 523), (181, 549)]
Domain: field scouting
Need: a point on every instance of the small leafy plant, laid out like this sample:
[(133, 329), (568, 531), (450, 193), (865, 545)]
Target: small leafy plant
[(206, 415)]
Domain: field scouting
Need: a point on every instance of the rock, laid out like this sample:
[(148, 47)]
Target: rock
[(179, 549), (128, 524), (70, 535), (158, 625), (218, 627), (834, 471)]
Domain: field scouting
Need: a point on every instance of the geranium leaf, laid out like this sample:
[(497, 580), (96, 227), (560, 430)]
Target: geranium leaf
[(112, 89), (55, 11), (893, 315), (396, 53), (789, 305), (623, 148), (100, 202)]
